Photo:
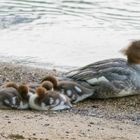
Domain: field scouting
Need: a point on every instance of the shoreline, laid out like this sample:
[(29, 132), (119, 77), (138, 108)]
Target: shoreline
[(117, 119)]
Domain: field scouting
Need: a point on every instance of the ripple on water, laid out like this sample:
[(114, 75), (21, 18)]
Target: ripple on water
[(64, 28)]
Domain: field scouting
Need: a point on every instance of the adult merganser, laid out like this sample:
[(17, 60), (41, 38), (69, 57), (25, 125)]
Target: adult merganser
[(14, 96), (112, 77), (71, 89), (48, 100)]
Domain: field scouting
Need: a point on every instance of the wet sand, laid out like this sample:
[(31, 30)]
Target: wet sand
[(113, 119)]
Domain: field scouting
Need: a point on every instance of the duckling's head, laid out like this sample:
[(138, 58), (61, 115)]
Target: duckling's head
[(23, 91), (12, 84), (47, 85), (133, 52), (41, 92), (52, 79)]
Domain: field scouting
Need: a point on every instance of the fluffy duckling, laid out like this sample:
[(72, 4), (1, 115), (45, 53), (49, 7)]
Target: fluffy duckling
[(8, 98), (69, 88), (112, 77), (48, 100), (14, 96), (25, 94), (52, 79), (46, 84)]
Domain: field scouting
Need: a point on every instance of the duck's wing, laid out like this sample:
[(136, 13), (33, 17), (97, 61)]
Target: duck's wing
[(108, 83), (113, 89), (107, 63), (107, 69)]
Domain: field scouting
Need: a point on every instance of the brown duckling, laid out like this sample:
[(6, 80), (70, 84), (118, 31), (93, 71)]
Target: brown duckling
[(48, 100), (71, 89), (14, 96)]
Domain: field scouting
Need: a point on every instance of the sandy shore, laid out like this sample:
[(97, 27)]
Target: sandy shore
[(113, 119)]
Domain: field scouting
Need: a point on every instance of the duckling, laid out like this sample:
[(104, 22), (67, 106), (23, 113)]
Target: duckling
[(52, 79), (46, 84), (14, 96), (111, 78), (71, 89), (8, 98), (25, 94), (48, 100)]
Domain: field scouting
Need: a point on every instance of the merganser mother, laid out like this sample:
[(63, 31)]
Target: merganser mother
[(112, 77)]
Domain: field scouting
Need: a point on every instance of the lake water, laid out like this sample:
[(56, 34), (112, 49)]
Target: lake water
[(64, 34)]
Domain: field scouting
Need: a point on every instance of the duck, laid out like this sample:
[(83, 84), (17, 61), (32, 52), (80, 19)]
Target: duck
[(44, 100), (14, 96), (111, 78), (74, 91)]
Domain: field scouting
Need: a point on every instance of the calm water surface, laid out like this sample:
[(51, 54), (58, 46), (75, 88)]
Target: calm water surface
[(66, 33)]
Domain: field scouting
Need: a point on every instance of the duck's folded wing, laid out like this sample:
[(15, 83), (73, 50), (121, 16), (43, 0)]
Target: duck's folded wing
[(107, 74), (113, 89), (108, 62), (98, 68)]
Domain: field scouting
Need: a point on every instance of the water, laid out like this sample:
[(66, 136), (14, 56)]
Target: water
[(64, 34)]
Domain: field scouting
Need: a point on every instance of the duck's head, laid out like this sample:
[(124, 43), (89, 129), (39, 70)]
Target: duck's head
[(52, 79), (133, 52), (47, 85)]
